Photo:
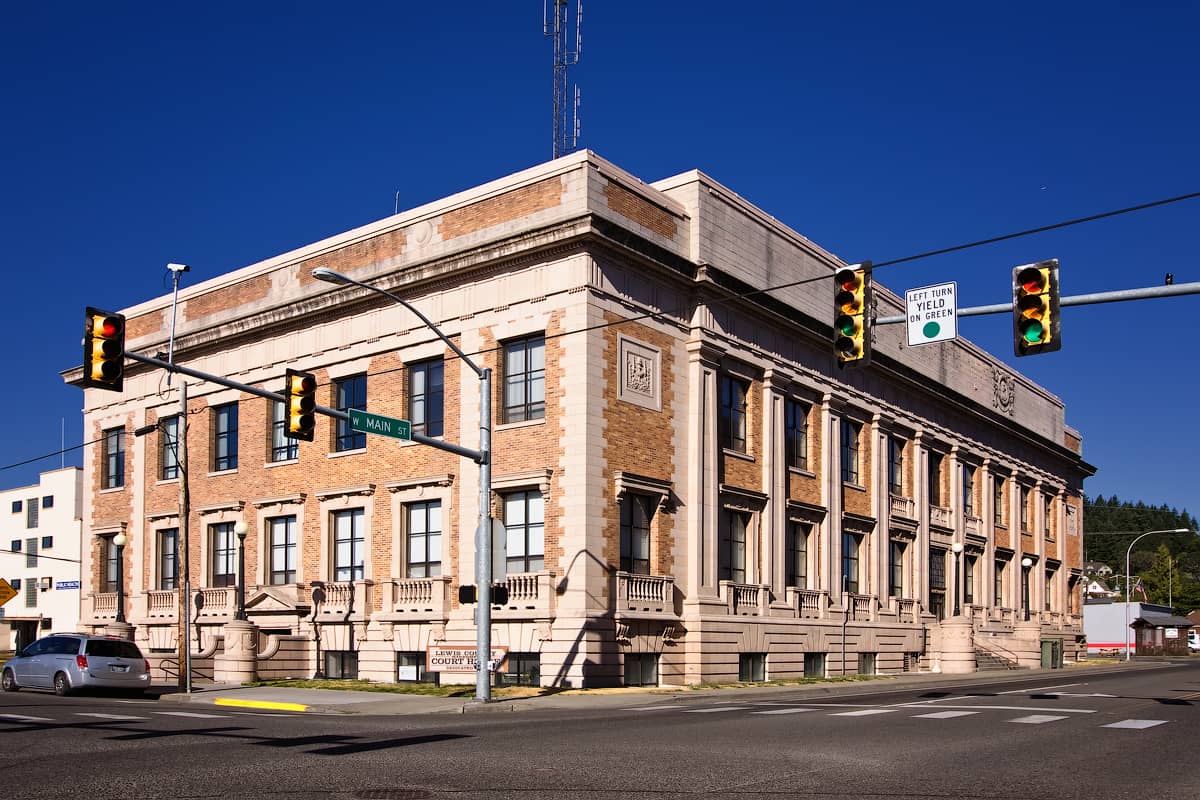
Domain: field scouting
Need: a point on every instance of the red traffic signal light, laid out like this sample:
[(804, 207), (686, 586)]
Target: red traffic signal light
[(103, 350), (301, 394), (852, 315), (1036, 322)]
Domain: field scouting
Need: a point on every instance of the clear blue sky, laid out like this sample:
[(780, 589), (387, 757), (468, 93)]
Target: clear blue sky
[(218, 134)]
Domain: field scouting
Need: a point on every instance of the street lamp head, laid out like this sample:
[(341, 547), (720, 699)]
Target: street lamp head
[(1026, 562), (330, 276), (241, 528), (120, 539), (957, 547)]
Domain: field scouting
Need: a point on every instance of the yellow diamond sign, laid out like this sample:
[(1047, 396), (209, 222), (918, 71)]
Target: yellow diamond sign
[(7, 592)]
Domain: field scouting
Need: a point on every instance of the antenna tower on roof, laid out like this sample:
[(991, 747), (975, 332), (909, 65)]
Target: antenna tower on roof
[(566, 103)]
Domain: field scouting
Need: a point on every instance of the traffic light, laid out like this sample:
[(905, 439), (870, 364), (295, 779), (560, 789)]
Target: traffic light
[(1036, 324), (852, 315), (301, 403), (103, 350)]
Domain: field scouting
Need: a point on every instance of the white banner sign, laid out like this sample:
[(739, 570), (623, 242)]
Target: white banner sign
[(932, 313)]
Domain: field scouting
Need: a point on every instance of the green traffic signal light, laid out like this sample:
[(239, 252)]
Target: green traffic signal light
[(1036, 324), (851, 301)]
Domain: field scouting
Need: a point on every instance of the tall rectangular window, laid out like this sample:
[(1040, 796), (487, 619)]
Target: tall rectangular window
[(937, 582), (225, 437), (896, 550), (108, 556), (524, 530), (850, 546), (113, 472), (282, 531), (731, 427), (731, 545), (223, 546), (1047, 509), (282, 448), (168, 448), (968, 490), (348, 545), (935, 478), (349, 393), (31, 513), (636, 513), (896, 466), (426, 389), (31, 552), (425, 539), (998, 500), (1024, 508), (1048, 594), (851, 431), (525, 379), (795, 426), (168, 556), (796, 554), (998, 583), (969, 563)]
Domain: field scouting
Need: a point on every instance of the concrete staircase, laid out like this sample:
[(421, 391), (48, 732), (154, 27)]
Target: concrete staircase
[(986, 661)]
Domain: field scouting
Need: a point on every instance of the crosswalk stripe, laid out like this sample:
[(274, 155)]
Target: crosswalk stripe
[(1136, 724), (191, 714), (652, 708), (1037, 719), (111, 716), (24, 718), (863, 713), (714, 710), (784, 711), (946, 714)]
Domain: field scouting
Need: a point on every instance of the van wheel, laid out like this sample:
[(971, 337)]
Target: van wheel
[(62, 687), (9, 681)]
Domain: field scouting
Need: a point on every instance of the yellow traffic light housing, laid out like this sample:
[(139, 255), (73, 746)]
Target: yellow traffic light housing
[(301, 394), (103, 350), (1036, 322), (852, 315)]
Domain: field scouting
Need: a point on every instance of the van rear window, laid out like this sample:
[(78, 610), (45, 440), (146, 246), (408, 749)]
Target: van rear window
[(104, 648)]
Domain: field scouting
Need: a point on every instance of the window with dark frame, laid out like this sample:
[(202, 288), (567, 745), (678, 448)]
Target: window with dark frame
[(282, 448), (998, 583), (636, 512), (348, 545), (113, 472), (426, 397), (168, 558), (350, 392), (752, 667), (47, 542), (17, 505), (168, 449), (223, 547), (48, 501), (641, 669), (108, 556), (282, 533), (525, 379), (424, 552), (969, 563), (795, 427), (731, 545), (225, 437), (1048, 594), (31, 513), (31, 552), (851, 543), (896, 550), (1047, 510), (851, 432), (1024, 509), (968, 490), (796, 554), (524, 531), (937, 582), (998, 500), (896, 466), (731, 426), (935, 478)]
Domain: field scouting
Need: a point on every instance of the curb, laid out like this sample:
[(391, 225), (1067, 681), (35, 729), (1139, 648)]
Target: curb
[(267, 705)]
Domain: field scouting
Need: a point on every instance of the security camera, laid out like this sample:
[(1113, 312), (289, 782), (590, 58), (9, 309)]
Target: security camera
[(179, 267)]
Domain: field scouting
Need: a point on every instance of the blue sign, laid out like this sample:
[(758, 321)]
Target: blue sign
[(66, 585)]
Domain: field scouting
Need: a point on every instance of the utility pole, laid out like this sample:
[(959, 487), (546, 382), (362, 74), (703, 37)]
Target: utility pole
[(184, 634)]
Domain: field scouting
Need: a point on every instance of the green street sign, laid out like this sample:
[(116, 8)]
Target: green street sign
[(362, 422)]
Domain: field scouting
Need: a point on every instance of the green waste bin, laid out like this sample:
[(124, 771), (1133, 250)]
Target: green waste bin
[(1052, 653)]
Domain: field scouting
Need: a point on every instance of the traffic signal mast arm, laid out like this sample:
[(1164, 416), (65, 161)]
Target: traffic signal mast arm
[(449, 447), (1075, 300)]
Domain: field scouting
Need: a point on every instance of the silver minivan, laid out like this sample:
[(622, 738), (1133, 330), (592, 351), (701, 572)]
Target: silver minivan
[(66, 662)]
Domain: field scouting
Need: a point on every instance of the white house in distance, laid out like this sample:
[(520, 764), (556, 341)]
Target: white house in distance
[(40, 528)]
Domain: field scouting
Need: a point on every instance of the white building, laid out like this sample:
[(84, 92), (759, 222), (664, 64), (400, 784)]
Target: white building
[(40, 528)]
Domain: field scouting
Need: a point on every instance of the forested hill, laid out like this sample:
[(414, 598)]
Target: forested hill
[(1169, 564)]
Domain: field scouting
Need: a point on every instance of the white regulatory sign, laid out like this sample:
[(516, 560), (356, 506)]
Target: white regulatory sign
[(932, 313)]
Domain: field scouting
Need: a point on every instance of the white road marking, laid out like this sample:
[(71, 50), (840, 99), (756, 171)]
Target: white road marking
[(784, 711), (865, 712), (1136, 724), (111, 716), (1009, 708), (1037, 719), (1073, 694), (23, 718), (946, 714), (714, 710), (651, 708), (1042, 690), (191, 714)]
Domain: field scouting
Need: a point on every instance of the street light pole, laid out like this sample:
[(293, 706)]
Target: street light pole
[(1026, 563), (240, 528), (957, 548), (119, 542), (1128, 553), (483, 532)]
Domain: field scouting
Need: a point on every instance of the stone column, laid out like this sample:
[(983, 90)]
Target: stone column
[(121, 629), (238, 662), (958, 646)]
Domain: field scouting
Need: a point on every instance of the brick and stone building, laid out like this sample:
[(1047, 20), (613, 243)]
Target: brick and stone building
[(688, 488)]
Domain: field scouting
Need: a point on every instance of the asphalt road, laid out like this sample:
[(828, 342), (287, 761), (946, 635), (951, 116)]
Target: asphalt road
[(1063, 736)]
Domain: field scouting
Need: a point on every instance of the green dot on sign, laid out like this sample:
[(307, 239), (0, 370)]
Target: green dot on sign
[(931, 330)]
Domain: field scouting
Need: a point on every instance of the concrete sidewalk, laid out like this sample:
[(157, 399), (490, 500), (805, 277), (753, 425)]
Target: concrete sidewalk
[(334, 701)]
